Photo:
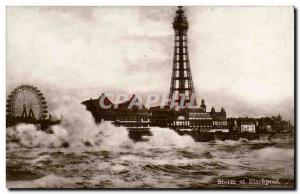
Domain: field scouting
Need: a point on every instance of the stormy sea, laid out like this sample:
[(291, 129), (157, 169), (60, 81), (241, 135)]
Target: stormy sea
[(81, 154)]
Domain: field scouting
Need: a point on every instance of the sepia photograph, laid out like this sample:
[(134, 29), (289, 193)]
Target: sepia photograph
[(150, 97)]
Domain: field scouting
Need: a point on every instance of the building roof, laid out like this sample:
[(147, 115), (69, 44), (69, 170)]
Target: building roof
[(166, 107), (218, 115), (96, 102), (247, 122)]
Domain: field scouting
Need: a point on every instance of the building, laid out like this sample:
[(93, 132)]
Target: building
[(219, 121), (100, 114), (124, 115), (161, 117), (248, 127), (200, 119)]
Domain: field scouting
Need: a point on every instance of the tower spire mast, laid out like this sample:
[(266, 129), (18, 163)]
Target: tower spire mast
[(181, 81)]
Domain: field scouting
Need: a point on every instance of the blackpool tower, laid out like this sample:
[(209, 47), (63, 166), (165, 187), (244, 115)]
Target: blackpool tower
[(181, 81)]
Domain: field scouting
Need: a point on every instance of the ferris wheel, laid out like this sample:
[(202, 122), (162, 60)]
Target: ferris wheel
[(26, 101)]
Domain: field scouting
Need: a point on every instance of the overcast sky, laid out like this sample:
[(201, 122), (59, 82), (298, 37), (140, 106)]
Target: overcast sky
[(242, 58)]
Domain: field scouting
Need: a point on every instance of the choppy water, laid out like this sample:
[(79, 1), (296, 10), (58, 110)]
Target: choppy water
[(167, 160), (83, 155)]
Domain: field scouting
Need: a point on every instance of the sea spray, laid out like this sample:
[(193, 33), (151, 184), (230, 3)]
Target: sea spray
[(27, 135), (165, 139), (77, 128), (78, 123)]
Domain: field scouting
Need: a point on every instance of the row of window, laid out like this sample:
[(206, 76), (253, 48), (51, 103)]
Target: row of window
[(200, 118), (248, 128), (220, 122), (187, 123), (181, 123)]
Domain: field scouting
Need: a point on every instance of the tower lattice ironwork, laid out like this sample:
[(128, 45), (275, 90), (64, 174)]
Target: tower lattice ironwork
[(181, 81)]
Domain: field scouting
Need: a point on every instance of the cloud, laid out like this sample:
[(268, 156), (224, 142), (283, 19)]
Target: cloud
[(241, 57)]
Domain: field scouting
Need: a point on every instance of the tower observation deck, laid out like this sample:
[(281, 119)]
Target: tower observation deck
[(181, 81)]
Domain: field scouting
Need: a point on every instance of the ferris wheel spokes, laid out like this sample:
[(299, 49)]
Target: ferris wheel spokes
[(27, 102)]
